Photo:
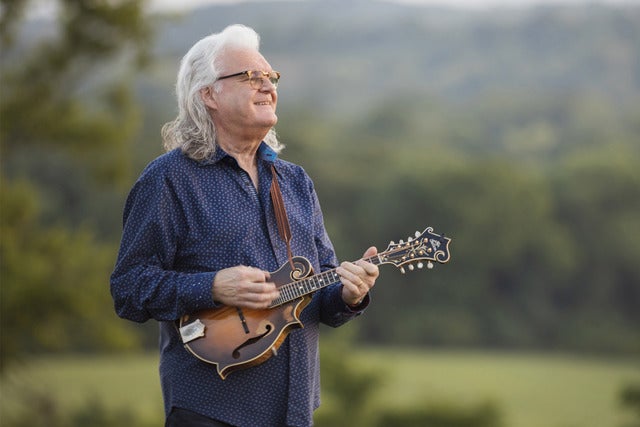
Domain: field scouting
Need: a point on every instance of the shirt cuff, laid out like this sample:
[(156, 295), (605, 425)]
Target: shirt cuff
[(200, 292), (360, 307)]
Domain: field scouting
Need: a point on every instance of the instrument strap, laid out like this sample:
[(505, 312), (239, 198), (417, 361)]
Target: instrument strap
[(282, 220)]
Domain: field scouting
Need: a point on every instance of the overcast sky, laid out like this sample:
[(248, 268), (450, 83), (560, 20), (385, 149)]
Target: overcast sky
[(476, 4), (46, 8)]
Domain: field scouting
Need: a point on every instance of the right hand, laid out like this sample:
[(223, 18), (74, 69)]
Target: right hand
[(245, 287)]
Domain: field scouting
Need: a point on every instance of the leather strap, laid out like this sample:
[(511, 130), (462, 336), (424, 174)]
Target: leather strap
[(282, 220)]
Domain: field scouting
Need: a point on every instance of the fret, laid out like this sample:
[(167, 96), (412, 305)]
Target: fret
[(276, 301), (313, 281), (300, 288), (331, 277), (326, 279), (308, 288)]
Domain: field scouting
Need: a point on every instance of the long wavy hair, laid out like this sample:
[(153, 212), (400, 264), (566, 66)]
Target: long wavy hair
[(193, 130)]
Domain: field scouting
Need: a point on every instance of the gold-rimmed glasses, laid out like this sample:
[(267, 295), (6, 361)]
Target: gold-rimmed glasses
[(256, 77)]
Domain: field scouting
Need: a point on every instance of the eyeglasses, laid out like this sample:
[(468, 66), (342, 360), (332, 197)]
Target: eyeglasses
[(256, 78)]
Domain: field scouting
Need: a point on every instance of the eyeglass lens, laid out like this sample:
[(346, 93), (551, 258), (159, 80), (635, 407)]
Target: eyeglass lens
[(256, 78)]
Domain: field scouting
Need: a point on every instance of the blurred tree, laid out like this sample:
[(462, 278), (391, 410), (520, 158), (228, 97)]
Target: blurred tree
[(58, 92), (598, 200), (54, 284), (347, 388), (39, 408), (630, 398), (67, 115), (539, 194)]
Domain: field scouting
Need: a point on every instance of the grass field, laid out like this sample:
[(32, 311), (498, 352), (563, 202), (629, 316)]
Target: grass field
[(531, 390)]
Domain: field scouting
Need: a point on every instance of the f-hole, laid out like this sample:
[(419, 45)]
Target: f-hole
[(236, 351)]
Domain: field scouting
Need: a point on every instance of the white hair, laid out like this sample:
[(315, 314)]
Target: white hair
[(193, 130)]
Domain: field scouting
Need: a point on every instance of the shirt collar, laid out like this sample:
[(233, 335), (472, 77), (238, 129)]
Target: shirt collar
[(265, 153)]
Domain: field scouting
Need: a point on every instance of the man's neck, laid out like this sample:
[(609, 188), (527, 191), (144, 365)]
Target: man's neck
[(245, 155)]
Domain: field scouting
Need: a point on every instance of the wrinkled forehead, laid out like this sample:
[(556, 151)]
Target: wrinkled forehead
[(236, 59)]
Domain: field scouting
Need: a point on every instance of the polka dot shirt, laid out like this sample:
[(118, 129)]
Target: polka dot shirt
[(183, 221)]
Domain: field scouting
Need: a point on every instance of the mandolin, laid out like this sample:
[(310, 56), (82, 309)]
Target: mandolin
[(233, 338)]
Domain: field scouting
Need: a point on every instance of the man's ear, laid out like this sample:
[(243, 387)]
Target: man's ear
[(208, 97)]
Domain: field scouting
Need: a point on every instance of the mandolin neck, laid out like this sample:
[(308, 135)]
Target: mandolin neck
[(308, 285), (426, 246)]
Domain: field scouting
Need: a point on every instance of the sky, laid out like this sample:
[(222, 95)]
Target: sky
[(46, 8), (469, 4)]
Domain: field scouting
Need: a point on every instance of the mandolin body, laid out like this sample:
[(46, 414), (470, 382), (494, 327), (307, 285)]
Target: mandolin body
[(236, 338)]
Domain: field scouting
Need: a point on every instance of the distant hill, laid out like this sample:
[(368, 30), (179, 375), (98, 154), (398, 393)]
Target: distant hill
[(342, 56)]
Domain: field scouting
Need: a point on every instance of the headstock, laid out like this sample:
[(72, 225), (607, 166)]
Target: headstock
[(425, 246)]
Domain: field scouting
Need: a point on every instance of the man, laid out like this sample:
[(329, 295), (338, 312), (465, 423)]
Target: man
[(200, 232)]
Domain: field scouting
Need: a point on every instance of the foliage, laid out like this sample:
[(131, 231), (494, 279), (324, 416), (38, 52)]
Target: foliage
[(630, 398), (59, 146), (532, 265), (48, 79), (347, 388), (44, 411), (53, 293)]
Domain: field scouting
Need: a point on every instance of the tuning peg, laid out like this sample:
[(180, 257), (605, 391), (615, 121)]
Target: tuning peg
[(417, 234), (409, 239), (392, 242), (411, 267), (420, 265), (401, 241), (429, 265), (402, 270)]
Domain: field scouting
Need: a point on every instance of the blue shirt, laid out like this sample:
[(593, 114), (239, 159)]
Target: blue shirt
[(185, 220)]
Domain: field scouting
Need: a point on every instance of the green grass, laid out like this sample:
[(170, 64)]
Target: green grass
[(127, 382), (531, 390)]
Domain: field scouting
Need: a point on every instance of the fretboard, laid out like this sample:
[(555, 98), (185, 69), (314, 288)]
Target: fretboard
[(294, 290)]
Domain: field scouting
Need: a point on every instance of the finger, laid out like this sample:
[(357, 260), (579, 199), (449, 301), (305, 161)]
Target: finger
[(261, 298), (370, 270), (255, 275), (351, 273), (370, 252), (365, 262), (262, 290), (362, 272)]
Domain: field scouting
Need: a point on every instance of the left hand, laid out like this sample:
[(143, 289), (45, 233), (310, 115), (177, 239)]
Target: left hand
[(358, 278)]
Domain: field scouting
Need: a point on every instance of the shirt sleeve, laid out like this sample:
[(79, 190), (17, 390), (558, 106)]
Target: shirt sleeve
[(334, 311), (144, 284)]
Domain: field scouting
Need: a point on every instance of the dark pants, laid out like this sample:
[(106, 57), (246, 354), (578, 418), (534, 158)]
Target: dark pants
[(182, 418)]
